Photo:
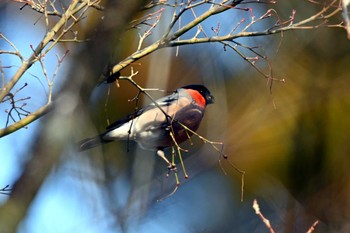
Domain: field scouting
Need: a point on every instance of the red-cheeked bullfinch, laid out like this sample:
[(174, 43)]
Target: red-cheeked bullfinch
[(153, 126)]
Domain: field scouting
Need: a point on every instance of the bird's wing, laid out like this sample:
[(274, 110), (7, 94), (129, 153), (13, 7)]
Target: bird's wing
[(162, 102), (122, 121)]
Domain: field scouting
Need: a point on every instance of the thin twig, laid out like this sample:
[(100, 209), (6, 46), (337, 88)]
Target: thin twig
[(6, 190), (265, 220), (27, 120), (313, 227)]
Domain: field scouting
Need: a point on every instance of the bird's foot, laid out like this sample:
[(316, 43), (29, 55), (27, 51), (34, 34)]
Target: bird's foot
[(172, 167)]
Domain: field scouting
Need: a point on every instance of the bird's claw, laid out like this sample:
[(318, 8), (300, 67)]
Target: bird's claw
[(172, 167)]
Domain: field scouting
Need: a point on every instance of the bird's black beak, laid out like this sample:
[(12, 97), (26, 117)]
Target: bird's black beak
[(210, 99)]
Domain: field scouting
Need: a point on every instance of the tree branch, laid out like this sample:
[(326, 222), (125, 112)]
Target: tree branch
[(72, 9), (172, 39), (27, 120)]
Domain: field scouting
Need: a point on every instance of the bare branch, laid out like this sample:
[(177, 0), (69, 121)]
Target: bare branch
[(50, 81), (313, 227), (16, 52), (6, 190), (268, 224), (156, 17), (172, 38), (265, 220), (27, 120), (41, 7), (58, 30)]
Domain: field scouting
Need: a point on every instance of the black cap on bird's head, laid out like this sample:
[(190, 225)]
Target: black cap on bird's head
[(209, 99)]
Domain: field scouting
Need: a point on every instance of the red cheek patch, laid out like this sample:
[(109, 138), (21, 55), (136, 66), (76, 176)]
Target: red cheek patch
[(197, 97)]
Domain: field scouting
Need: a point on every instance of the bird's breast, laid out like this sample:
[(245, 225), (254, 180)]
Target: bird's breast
[(152, 129)]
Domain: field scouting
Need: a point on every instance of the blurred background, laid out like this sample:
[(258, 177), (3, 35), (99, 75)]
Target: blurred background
[(292, 140)]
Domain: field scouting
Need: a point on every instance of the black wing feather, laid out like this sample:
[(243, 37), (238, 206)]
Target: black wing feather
[(165, 101), (122, 121)]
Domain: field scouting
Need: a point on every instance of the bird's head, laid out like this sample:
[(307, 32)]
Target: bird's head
[(209, 99)]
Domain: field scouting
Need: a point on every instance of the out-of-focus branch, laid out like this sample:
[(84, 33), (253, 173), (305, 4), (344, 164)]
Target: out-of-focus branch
[(267, 223), (313, 227), (5, 190), (265, 220)]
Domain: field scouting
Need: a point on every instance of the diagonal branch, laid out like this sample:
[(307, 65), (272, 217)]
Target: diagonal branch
[(167, 39), (72, 9), (172, 39), (27, 120)]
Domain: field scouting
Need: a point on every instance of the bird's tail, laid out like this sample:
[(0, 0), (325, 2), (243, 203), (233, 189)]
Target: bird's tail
[(89, 143)]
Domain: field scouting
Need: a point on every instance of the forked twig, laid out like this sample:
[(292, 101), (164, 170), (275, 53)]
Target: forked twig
[(6, 190), (17, 106), (177, 185), (267, 222)]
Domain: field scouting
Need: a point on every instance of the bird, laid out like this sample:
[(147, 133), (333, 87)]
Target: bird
[(163, 123)]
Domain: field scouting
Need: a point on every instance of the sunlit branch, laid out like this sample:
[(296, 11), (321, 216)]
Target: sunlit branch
[(313, 227), (172, 39), (147, 33), (52, 36), (263, 218), (27, 120), (169, 37)]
